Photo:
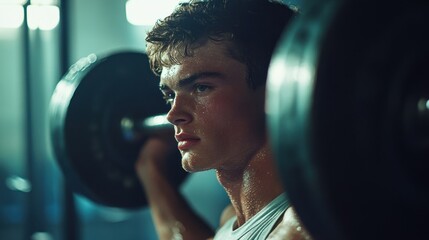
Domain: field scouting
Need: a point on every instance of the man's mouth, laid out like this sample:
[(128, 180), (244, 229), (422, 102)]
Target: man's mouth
[(186, 141)]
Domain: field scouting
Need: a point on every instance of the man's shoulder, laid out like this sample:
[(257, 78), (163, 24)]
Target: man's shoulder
[(227, 214), (289, 227)]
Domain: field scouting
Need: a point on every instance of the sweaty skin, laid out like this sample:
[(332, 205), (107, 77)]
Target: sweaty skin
[(211, 102), (219, 124)]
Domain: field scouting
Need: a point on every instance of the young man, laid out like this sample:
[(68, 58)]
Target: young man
[(212, 57)]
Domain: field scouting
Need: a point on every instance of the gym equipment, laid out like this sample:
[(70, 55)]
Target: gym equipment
[(348, 115), (101, 112)]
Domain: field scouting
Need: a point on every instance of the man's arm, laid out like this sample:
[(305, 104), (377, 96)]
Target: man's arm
[(172, 216)]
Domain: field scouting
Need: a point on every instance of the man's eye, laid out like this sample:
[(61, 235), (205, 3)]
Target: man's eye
[(169, 98), (201, 88)]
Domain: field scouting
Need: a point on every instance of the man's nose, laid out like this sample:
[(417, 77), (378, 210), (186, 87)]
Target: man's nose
[(178, 114)]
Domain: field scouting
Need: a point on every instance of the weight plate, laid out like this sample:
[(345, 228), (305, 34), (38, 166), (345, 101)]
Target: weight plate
[(86, 111), (347, 95)]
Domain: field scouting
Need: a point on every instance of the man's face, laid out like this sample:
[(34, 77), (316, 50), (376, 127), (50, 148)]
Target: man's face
[(219, 121)]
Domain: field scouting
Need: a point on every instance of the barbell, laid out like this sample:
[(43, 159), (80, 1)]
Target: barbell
[(347, 110), (101, 112)]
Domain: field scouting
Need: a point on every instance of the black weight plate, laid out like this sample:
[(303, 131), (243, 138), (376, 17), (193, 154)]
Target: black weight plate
[(87, 107), (346, 116)]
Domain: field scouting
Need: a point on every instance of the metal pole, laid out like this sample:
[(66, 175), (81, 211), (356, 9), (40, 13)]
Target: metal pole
[(71, 220), (31, 224)]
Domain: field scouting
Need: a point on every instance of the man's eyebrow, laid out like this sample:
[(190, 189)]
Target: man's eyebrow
[(182, 83)]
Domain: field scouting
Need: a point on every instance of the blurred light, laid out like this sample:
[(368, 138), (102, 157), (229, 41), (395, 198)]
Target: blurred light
[(423, 105), (11, 16), (156, 121), (19, 2), (17, 183), (145, 12), (43, 2), (41, 236), (44, 17), (289, 69)]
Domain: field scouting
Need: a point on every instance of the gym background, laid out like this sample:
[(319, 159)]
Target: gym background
[(39, 40)]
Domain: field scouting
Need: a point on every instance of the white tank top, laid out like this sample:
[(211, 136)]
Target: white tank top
[(259, 226)]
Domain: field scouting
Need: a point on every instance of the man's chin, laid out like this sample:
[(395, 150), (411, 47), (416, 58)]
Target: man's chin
[(191, 164), (189, 167)]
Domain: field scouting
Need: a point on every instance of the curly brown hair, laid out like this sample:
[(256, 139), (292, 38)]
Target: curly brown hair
[(251, 26)]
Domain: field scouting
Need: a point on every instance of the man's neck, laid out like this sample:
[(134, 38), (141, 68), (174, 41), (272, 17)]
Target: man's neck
[(251, 187)]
